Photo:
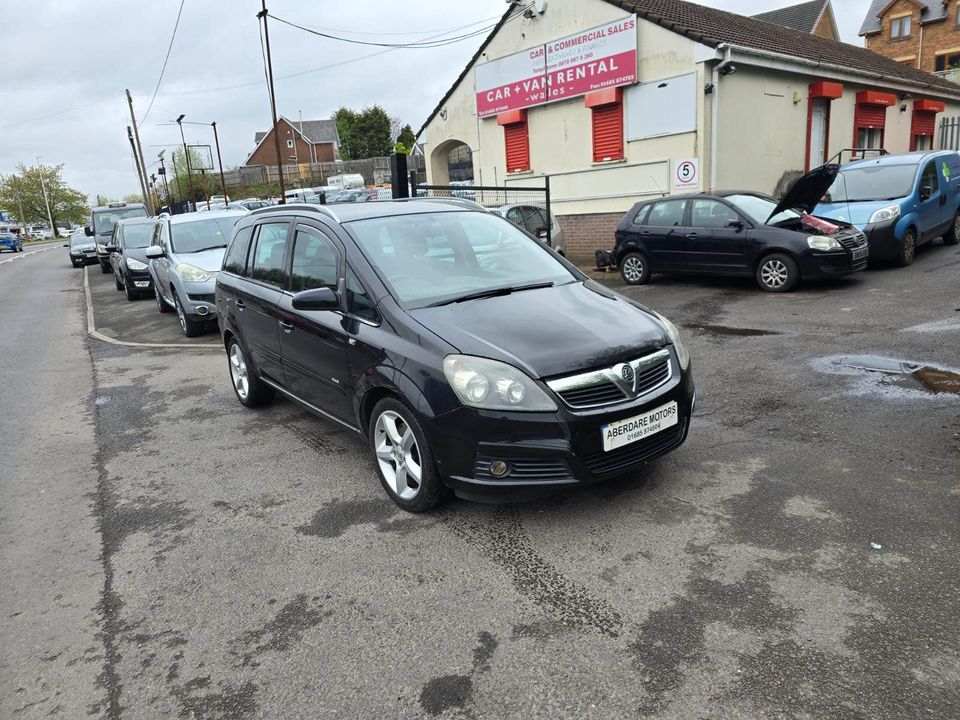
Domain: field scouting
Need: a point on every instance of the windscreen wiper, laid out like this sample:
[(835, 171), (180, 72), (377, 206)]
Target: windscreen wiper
[(492, 292), (212, 247)]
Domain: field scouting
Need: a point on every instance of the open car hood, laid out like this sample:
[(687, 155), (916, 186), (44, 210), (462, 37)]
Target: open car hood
[(807, 191)]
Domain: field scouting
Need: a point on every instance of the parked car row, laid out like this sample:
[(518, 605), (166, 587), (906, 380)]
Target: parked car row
[(832, 222)]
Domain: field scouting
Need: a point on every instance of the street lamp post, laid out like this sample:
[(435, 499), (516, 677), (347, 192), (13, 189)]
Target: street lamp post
[(186, 155)]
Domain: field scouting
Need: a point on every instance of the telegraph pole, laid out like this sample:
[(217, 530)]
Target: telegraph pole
[(46, 200), (186, 155), (273, 100), (136, 161), (223, 182), (138, 154), (176, 177)]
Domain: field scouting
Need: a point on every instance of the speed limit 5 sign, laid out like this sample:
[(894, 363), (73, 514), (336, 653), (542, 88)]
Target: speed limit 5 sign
[(686, 174)]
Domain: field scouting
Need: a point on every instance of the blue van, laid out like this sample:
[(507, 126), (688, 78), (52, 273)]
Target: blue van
[(899, 201)]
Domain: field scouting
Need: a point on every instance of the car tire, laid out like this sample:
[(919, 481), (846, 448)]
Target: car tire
[(777, 273), (403, 457), (953, 237), (635, 268), (188, 326), (119, 285), (161, 303), (105, 268), (250, 390), (75, 263), (131, 295), (908, 248)]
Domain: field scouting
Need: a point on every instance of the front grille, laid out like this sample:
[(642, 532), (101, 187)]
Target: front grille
[(853, 240), (606, 387), (629, 456), (523, 469), (207, 298)]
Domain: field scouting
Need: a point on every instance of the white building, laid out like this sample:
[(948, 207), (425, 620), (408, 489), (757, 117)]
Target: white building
[(650, 97)]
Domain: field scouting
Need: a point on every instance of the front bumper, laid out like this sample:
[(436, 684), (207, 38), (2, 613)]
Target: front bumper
[(198, 299), (138, 280), (549, 450), (884, 243), (87, 258), (816, 265)]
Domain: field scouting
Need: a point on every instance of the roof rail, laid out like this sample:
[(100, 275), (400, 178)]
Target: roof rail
[(322, 209), (462, 202)]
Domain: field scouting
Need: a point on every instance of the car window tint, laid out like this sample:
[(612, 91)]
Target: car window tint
[(315, 261), (929, 177), (515, 216), (667, 214), (235, 261), (711, 214), (358, 301), (267, 263), (534, 220), (642, 214)]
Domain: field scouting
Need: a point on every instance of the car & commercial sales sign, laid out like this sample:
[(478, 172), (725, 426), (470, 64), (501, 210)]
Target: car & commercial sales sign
[(601, 57)]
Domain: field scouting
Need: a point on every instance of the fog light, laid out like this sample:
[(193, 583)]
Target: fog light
[(203, 310), (498, 468)]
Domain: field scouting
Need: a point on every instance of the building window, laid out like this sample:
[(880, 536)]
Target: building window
[(900, 27), (950, 61), (922, 142), (289, 143), (518, 146), (869, 122), (608, 132)]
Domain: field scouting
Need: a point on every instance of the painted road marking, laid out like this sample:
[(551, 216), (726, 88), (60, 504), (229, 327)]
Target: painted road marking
[(21, 255)]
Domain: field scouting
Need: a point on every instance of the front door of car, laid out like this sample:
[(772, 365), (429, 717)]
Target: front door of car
[(161, 265), (116, 255), (931, 200), (664, 235), (313, 343), (258, 297), (716, 237)]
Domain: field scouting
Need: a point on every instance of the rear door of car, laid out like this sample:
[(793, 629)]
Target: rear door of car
[(258, 296), (313, 343), (664, 234), (712, 245)]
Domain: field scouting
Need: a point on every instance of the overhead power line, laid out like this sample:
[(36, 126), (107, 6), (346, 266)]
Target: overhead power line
[(396, 46), (164, 68)]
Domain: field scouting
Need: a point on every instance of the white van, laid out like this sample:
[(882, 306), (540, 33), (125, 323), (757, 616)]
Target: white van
[(348, 181), (300, 195)]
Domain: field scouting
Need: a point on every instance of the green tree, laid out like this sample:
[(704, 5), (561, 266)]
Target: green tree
[(363, 134), (406, 140), (132, 198), (180, 184), (25, 189)]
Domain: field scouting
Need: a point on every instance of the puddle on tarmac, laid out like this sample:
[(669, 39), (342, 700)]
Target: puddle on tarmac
[(893, 377), (725, 331)]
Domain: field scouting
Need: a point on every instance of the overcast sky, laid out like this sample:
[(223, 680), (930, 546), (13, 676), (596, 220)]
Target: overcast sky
[(79, 55)]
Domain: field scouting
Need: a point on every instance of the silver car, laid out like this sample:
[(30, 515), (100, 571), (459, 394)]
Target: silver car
[(532, 218), (185, 255)]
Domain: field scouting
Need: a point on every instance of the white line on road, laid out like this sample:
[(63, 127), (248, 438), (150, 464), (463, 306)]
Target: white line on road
[(21, 255), (94, 333)]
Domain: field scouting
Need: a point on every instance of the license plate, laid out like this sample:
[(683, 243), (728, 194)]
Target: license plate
[(141, 283), (860, 253), (631, 429)]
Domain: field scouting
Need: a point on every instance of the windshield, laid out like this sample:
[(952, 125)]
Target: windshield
[(879, 182), (200, 235), (137, 236), (758, 209), (80, 238), (434, 257), (104, 220)]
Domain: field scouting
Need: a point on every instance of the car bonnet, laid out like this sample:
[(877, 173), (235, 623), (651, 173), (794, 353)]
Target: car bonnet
[(807, 191)]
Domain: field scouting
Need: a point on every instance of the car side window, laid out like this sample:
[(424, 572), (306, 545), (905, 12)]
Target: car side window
[(515, 216), (929, 182), (534, 220), (712, 214), (266, 264), (641, 217), (162, 236), (235, 261), (118, 238), (358, 301), (668, 213), (316, 261)]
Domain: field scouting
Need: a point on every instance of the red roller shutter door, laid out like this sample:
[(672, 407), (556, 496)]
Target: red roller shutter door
[(870, 116), (518, 147), (608, 132)]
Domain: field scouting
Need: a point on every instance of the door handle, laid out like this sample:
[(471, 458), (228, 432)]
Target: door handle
[(692, 235), (287, 326), (644, 232), (240, 304)]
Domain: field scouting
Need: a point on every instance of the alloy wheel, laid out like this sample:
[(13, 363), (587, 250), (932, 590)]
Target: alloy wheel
[(180, 314), (398, 454), (774, 273), (909, 248), (238, 372), (633, 269)]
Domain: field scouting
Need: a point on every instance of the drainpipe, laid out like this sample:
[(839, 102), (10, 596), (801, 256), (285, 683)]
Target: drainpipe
[(715, 118), (920, 51)]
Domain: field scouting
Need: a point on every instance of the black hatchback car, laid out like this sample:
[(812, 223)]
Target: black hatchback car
[(741, 234), (469, 355), (127, 248)]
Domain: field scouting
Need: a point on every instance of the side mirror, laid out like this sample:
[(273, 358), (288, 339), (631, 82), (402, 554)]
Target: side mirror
[(154, 251), (316, 299), (110, 248), (736, 225), (88, 231), (66, 244)]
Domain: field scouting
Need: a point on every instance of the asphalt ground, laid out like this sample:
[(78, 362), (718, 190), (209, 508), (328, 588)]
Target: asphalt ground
[(797, 557)]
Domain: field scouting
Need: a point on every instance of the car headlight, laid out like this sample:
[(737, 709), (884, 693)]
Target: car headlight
[(493, 385), (683, 357), (190, 273), (101, 248), (891, 212), (135, 264), (822, 242)]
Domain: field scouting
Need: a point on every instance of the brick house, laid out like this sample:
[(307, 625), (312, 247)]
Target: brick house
[(923, 34), (301, 142), (814, 17)]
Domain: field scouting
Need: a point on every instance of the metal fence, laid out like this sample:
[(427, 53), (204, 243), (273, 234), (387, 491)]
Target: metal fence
[(375, 171), (525, 206), (949, 136)]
